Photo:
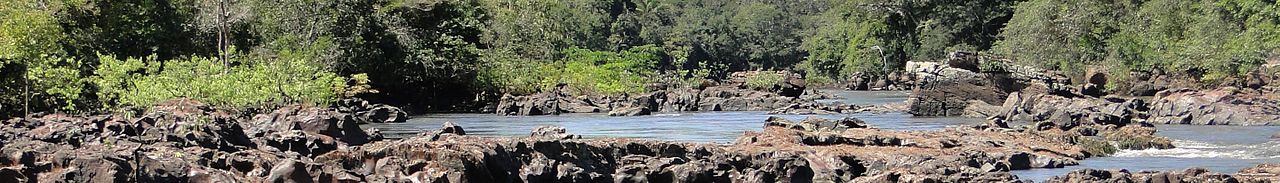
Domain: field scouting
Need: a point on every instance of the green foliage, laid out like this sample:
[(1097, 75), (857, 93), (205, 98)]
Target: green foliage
[(695, 77), (764, 80), (993, 67), (431, 53), (1205, 39), (506, 73), (610, 73), (872, 38), (292, 78), (1096, 147), (36, 69), (1060, 35), (848, 45)]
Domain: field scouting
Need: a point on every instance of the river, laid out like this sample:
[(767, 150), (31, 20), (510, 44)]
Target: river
[(1219, 148), (1224, 149)]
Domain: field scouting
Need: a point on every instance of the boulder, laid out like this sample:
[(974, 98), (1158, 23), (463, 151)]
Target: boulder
[(364, 112), (552, 133), (1224, 106), (951, 98), (312, 121), (630, 111), (793, 85), (963, 60), (450, 127), (814, 124)]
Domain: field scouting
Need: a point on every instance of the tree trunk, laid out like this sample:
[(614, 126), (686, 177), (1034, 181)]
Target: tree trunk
[(26, 92), (222, 35)]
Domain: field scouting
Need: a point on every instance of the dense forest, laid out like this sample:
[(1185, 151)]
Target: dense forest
[(89, 56)]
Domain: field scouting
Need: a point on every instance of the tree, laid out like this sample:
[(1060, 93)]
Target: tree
[(39, 74)]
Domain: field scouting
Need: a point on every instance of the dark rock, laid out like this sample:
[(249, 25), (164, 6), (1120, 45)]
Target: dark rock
[(312, 121), (1094, 90), (793, 85), (816, 124), (963, 60), (809, 108), (450, 127), (364, 112), (1144, 89), (1188, 175), (552, 133), (289, 171)]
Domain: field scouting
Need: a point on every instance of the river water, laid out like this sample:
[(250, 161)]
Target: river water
[(1219, 148), (1225, 149), (713, 127)]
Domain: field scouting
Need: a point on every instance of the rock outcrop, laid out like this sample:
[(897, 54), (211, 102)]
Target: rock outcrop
[(731, 96), (949, 89), (180, 140), (363, 112), (1224, 106), (1259, 173), (185, 141)]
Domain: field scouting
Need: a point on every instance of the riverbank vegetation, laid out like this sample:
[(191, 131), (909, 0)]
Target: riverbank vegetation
[(93, 56)]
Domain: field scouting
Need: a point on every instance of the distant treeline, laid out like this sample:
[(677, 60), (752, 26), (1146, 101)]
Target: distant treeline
[(96, 56)]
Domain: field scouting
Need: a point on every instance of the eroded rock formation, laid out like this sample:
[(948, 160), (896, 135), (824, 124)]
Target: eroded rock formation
[(732, 95), (1259, 173)]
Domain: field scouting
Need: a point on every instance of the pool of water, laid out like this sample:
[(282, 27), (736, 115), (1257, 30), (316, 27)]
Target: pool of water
[(1224, 149), (715, 127)]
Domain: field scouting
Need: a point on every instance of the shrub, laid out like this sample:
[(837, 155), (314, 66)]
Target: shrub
[(763, 80), (600, 72), (253, 84), (1097, 148)]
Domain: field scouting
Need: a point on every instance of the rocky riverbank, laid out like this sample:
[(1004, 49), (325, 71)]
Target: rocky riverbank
[(1003, 91), (733, 94), (1259, 173), (186, 141)]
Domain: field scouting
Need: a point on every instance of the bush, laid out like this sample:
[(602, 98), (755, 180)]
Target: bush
[(505, 73), (763, 80), (253, 84), (1097, 148), (600, 72)]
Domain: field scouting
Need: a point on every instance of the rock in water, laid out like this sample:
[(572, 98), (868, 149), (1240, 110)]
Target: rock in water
[(552, 133), (450, 127), (813, 124), (364, 112), (1224, 106), (630, 111)]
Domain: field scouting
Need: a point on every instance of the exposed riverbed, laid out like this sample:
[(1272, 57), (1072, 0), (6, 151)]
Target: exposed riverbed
[(714, 127), (1218, 148)]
